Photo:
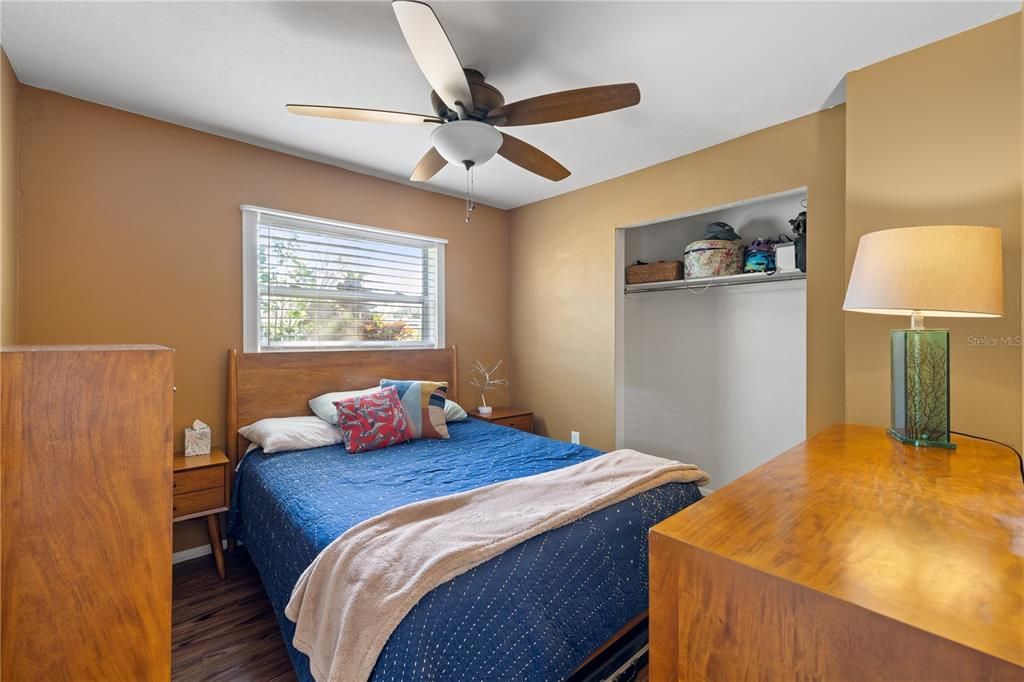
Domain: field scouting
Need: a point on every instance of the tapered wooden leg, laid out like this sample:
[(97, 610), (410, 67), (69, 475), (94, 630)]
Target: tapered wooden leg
[(213, 525)]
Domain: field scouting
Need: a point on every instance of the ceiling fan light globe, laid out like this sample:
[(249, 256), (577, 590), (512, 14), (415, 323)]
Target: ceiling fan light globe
[(466, 143)]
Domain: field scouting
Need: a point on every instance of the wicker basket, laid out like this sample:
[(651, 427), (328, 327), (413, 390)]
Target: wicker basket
[(662, 271)]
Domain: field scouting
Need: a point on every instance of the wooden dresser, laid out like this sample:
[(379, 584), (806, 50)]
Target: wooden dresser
[(85, 590), (849, 557)]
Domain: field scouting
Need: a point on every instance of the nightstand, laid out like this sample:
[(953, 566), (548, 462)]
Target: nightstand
[(201, 489), (508, 416)]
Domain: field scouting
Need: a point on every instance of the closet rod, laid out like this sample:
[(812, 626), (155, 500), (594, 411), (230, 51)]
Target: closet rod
[(726, 281)]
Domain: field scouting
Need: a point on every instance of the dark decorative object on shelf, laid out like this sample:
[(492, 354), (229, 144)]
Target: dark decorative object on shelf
[(799, 225), (720, 230)]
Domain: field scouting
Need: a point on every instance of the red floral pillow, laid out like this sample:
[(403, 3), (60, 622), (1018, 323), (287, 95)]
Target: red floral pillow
[(373, 420)]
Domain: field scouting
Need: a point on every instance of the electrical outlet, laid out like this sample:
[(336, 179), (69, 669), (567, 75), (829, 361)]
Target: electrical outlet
[(574, 436)]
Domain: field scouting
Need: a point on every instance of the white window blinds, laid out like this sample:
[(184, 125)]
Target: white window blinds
[(314, 284)]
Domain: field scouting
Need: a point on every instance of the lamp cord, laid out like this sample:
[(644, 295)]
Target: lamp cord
[(1020, 460)]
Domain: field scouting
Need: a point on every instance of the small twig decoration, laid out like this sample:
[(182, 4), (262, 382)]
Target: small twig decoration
[(484, 378)]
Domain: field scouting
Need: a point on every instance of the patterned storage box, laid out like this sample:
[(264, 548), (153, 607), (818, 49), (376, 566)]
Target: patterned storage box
[(712, 258)]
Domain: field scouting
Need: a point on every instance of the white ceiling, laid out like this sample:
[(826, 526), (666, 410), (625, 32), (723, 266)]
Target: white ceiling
[(708, 71)]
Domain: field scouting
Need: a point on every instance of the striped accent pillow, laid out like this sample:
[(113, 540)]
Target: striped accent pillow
[(424, 404)]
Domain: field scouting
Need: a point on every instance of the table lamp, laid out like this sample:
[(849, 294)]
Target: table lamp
[(938, 271)]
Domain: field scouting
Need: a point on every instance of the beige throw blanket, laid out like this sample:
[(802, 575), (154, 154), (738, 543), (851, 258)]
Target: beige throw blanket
[(350, 599)]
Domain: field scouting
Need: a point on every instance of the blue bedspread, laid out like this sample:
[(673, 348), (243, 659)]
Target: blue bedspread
[(532, 613)]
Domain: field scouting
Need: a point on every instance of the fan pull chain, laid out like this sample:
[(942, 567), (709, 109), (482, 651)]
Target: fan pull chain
[(470, 203)]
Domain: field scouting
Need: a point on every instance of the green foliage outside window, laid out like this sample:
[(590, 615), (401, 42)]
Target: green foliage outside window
[(301, 318)]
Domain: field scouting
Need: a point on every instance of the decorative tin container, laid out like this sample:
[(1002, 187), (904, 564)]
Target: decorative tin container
[(712, 258)]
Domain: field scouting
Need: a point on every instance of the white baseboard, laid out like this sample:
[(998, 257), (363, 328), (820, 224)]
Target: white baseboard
[(707, 491), (195, 552)]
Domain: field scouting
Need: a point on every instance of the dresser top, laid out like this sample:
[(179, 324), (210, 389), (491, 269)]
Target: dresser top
[(930, 537), (183, 462)]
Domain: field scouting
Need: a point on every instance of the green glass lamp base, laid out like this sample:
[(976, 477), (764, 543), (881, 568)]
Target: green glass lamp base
[(922, 442), (920, 387)]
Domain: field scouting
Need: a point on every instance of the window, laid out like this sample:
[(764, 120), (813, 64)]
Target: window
[(315, 284)]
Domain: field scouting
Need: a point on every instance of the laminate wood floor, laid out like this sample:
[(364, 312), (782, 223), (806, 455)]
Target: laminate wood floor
[(226, 630)]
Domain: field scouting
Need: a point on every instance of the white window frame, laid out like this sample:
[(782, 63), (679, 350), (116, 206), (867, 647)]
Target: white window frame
[(250, 276)]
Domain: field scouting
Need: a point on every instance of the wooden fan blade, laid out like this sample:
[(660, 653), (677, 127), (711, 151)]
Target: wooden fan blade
[(429, 165), (531, 158), (434, 53), (566, 105), (365, 115)]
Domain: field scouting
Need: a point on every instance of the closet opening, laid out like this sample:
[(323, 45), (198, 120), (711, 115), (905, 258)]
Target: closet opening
[(712, 370)]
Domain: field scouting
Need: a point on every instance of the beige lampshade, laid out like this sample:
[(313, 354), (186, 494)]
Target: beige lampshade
[(941, 271)]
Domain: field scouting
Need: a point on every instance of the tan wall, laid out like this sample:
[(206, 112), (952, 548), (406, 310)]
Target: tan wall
[(563, 269), (9, 88), (131, 232), (934, 137)]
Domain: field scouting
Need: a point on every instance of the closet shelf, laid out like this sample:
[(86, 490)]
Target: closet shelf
[(700, 283)]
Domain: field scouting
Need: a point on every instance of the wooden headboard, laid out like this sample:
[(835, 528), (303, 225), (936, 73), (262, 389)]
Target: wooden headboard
[(262, 385)]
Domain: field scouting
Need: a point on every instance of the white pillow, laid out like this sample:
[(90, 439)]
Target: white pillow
[(453, 412), (291, 433), (323, 405)]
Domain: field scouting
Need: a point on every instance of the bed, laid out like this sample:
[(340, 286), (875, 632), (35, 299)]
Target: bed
[(539, 611)]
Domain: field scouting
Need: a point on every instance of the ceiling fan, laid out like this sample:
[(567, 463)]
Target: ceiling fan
[(467, 108)]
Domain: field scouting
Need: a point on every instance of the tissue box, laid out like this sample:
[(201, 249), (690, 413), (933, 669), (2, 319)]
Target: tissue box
[(197, 439), (785, 256)]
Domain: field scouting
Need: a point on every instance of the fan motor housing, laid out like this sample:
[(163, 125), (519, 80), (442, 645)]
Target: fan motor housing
[(485, 98)]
